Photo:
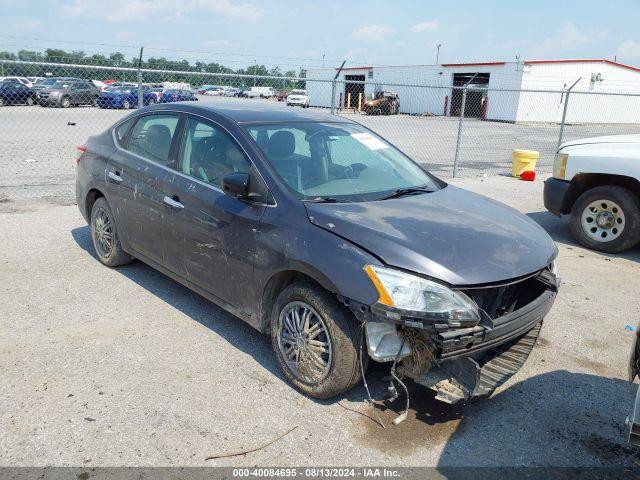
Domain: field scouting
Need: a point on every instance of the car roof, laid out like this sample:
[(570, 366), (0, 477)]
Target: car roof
[(251, 111)]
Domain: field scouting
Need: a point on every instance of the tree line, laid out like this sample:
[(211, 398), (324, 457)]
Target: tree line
[(118, 60)]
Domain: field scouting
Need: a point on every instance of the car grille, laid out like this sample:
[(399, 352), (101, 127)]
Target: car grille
[(497, 301)]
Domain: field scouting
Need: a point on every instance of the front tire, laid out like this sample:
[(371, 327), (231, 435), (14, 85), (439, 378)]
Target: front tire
[(29, 101), (104, 234), (65, 102), (315, 340), (607, 219), (126, 105)]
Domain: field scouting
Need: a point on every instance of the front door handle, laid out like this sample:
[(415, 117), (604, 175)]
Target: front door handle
[(115, 177), (173, 202)]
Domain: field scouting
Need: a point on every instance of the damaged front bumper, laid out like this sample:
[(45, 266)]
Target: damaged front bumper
[(462, 361)]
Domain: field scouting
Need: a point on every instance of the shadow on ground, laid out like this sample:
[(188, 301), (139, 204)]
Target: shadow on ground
[(558, 229), (558, 418)]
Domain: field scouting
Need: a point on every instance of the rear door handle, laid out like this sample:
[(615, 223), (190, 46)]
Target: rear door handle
[(173, 202), (115, 177)]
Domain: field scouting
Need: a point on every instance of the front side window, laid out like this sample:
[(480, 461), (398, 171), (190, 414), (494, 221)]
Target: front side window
[(339, 160), (151, 137), (208, 153)]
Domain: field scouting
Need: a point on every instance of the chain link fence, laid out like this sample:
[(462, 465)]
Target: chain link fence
[(47, 109)]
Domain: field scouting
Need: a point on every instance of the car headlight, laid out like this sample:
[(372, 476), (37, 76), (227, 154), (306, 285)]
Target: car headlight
[(560, 165), (408, 292)]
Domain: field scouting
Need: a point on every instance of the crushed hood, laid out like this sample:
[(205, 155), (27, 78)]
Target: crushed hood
[(453, 235)]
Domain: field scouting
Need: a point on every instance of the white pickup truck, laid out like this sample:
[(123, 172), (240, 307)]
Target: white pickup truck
[(597, 181)]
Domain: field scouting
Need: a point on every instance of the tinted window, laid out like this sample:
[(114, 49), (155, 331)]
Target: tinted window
[(121, 131), (151, 137), (208, 153)]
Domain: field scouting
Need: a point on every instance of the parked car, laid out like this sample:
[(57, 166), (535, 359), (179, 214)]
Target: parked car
[(124, 97), (68, 93), (178, 96), (298, 97), (23, 80), (597, 182), (215, 91), (382, 103), (232, 92), (316, 230), (49, 81), (157, 91), (13, 92), (99, 85), (203, 89), (262, 92), (281, 95)]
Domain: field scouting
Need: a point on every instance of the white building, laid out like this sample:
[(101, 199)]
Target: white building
[(528, 91)]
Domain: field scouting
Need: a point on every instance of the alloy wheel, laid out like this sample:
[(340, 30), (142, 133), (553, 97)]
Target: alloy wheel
[(304, 342), (103, 233), (603, 220)]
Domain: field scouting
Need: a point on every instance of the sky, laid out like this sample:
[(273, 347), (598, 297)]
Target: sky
[(293, 34)]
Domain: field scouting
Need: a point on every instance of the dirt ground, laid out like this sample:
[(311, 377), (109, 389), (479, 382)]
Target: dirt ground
[(126, 367)]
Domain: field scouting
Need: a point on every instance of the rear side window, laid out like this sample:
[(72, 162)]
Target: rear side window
[(122, 130), (151, 137)]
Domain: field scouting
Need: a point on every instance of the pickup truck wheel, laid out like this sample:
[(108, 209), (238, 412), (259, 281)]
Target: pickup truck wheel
[(105, 236), (315, 341), (607, 219)]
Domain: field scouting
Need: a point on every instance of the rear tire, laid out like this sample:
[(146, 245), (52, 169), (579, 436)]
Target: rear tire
[(321, 372), (1, 102), (126, 105), (104, 234), (29, 101), (65, 102), (620, 212)]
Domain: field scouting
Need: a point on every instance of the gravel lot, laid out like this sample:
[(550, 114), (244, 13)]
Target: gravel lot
[(38, 155), (126, 367)]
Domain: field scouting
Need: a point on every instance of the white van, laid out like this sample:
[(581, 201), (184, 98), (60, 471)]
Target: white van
[(262, 92)]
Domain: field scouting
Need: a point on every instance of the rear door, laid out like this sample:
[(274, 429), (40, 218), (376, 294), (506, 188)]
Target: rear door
[(136, 177), (210, 237)]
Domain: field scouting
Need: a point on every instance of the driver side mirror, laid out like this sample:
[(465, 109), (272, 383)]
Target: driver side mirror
[(236, 185)]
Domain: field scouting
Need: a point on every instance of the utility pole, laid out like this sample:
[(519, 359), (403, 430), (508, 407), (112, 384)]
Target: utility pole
[(438, 53), (323, 60), (255, 71)]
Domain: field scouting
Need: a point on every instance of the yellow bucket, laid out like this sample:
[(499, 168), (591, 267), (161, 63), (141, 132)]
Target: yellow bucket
[(523, 161)]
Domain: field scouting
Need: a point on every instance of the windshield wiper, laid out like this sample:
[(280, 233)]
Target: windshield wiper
[(400, 192), (323, 200)]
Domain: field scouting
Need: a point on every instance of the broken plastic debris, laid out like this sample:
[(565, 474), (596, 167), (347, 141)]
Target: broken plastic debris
[(630, 327)]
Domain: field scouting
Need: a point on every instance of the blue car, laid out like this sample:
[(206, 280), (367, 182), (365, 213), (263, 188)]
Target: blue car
[(124, 97), (176, 95)]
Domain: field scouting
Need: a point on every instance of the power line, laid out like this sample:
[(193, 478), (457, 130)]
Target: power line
[(174, 50)]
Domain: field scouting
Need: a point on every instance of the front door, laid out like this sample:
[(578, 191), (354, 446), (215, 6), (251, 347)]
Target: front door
[(209, 236), (136, 177)]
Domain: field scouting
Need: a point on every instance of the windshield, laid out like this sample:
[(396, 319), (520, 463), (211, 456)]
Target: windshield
[(60, 85), (119, 90), (298, 92), (46, 81), (341, 161)]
